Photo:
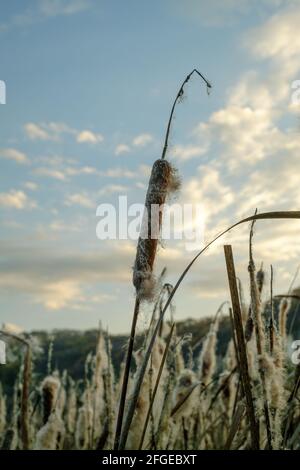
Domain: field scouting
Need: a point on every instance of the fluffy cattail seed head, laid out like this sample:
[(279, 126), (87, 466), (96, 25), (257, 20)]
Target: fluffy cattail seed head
[(207, 359), (50, 388), (283, 313), (51, 435), (186, 380), (163, 181)]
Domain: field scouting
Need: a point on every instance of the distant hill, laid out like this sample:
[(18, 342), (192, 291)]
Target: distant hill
[(70, 348)]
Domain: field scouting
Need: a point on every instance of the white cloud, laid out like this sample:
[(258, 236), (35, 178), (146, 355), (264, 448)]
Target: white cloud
[(141, 185), (278, 38), (47, 131), (118, 173), (84, 170), (35, 132), (13, 154), (31, 185), (209, 190), (243, 132), (16, 199), (142, 140), (122, 148), (186, 152), (90, 137), (112, 189), (42, 10), (50, 173), (80, 199), (67, 293), (57, 295), (57, 170), (52, 8), (62, 278), (53, 131), (226, 12), (63, 226)]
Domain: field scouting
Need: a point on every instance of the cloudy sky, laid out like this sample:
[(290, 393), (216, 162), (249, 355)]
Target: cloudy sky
[(89, 89)]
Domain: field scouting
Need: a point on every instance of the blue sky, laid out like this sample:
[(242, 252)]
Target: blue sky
[(89, 89)]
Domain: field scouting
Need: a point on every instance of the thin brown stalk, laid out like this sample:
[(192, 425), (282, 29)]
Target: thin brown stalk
[(126, 374), (234, 338), (237, 396), (184, 398), (240, 383), (271, 325), (178, 96), (236, 421), (25, 425), (185, 434), (241, 344), (259, 333), (222, 387), (153, 395)]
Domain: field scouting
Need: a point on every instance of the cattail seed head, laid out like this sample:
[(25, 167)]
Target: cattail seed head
[(185, 382), (51, 435), (207, 359), (283, 313), (163, 181), (71, 407), (50, 387)]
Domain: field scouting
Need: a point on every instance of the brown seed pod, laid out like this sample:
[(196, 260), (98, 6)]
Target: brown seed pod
[(163, 181), (50, 387)]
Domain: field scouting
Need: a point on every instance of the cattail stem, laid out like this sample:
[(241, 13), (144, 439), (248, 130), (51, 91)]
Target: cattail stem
[(271, 325), (259, 330), (126, 374), (153, 395), (255, 298), (25, 427), (234, 339), (236, 421), (222, 387), (241, 346), (178, 96)]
